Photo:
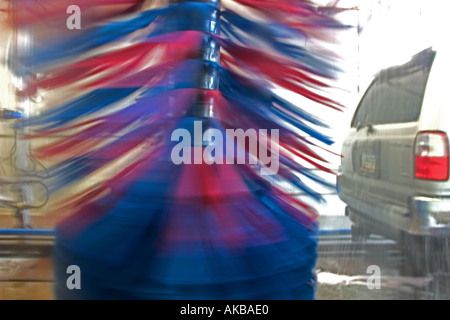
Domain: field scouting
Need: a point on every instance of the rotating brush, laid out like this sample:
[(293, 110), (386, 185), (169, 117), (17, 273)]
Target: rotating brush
[(160, 91)]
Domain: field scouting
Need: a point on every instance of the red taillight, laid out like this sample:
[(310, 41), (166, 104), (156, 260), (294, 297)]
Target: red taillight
[(431, 156)]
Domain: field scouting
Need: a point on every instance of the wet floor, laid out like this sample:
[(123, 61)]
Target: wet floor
[(342, 270), (342, 276), (353, 278), (26, 279)]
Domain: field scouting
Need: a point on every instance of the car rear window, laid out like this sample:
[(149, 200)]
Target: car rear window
[(393, 97)]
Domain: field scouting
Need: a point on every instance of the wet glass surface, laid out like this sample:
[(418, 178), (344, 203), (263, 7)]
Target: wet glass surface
[(376, 268)]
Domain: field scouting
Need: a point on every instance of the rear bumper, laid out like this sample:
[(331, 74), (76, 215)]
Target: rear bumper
[(423, 216), (431, 216)]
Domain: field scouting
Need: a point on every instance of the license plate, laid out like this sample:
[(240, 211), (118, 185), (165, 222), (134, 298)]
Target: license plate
[(368, 162)]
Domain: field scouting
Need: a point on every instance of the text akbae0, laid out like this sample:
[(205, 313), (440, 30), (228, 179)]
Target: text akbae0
[(229, 309)]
